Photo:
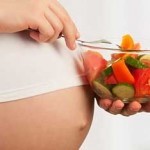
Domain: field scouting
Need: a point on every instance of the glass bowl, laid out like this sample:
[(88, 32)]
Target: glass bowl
[(114, 73)]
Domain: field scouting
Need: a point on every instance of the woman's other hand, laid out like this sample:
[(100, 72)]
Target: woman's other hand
[(118, 107), (48, 17)]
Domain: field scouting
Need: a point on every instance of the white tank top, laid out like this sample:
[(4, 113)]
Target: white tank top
[(28, 68)]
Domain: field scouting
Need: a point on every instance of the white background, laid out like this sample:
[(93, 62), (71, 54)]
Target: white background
[(109, 132), (113, 18)]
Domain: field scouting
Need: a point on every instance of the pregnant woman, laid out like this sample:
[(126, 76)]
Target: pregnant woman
[(45, 101)]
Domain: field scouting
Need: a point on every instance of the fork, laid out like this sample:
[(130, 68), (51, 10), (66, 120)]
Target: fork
[(82, 42)]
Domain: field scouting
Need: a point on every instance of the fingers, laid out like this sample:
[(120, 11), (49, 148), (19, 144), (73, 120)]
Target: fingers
[(50, 21), (55, 23), (69, 29), (118, 107), (113, 107), (45, 31), (104, 103), (131, 109), (48, 17)]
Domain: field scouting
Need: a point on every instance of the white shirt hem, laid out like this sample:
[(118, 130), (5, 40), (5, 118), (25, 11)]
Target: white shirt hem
[(34, 90)]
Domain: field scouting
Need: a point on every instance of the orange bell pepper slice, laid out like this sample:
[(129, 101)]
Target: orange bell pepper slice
[(127, 42), (121, 72)]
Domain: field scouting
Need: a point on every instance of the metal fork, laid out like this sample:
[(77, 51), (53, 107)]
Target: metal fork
[(86, 43), (83, 42)]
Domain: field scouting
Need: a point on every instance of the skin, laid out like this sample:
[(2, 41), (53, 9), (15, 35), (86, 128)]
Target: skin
[(118, 107), (47, 20), (57, 120), (35, 123)]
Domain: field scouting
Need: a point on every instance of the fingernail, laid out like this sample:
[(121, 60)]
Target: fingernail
[(71, 45), (119, 106)]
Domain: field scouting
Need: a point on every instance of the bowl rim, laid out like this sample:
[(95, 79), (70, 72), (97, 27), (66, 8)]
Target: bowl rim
[(112, 49)]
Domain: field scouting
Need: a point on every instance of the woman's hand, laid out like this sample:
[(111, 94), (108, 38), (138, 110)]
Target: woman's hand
[(118, 107), (47, 17)]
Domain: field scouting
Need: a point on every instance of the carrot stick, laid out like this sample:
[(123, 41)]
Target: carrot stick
[(122, 72)]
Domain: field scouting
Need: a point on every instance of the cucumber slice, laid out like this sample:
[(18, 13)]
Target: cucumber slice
[(135, 62), (145, 59), (101, 90), (146, 56), (123, 90)]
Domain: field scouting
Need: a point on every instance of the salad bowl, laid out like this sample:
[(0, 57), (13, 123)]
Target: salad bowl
[(119, 69)]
